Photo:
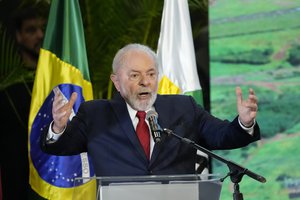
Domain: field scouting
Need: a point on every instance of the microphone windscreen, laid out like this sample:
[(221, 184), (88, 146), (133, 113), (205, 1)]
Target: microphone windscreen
[(151, 113)]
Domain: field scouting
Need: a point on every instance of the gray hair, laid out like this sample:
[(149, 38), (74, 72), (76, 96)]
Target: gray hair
[(119, 57)]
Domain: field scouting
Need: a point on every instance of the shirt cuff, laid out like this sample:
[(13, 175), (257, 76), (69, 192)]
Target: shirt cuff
[(249, 130), (51, 136)]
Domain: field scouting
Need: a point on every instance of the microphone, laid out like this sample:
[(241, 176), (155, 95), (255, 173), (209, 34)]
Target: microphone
[(156, 130)]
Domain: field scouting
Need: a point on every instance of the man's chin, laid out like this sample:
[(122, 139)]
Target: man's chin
[(146, 103), (141, 104), (34, 52)]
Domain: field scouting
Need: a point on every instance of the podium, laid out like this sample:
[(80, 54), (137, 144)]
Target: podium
[(158, 187)]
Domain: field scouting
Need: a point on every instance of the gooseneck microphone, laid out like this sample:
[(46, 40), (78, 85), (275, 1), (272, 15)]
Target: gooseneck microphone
[(156, 130)]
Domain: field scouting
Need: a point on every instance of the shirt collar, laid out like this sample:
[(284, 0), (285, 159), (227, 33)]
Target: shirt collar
[(132, 112)]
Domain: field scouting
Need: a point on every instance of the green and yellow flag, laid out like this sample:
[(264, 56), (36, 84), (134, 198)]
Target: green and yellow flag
[(62, 66)]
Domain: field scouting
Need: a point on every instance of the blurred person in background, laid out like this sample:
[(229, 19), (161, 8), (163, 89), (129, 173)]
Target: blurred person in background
[(26, 25)]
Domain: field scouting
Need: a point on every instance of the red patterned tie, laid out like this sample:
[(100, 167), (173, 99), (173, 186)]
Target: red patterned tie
[(142, 132)]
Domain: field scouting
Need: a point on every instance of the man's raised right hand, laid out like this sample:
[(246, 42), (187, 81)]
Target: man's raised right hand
[(61, 110)]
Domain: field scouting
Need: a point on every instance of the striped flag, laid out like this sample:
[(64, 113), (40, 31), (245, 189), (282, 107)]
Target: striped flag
[(62, 66), (176, 55)]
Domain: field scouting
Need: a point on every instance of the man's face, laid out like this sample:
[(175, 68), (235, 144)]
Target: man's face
[(31, 35), (137, 80)]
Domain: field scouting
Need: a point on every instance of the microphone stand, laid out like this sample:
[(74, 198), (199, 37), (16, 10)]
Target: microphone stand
[(236, 171)]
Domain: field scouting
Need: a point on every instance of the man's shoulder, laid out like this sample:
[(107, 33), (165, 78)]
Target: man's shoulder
[(174, 97), (95, 103), (172, 100)]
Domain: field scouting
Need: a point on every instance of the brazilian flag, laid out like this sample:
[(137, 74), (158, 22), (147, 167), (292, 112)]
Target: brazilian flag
[(62, 66)]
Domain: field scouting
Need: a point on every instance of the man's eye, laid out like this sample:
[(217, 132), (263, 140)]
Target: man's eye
[(134, 76), (152, 75)]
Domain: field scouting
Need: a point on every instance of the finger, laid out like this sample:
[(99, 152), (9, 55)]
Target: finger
[(253, 115), (56, 90), (58, 116), (251, 91), (66, 106), (58, 103), (58, 99), (252, 97), (72, 99), (252, 106), (239, 96), (57, 95)]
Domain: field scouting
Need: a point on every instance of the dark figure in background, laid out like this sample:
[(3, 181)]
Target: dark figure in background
[(30, 24), (27, 27), (107, 129)]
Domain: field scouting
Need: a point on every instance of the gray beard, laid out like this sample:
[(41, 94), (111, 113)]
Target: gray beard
[(142, 106)]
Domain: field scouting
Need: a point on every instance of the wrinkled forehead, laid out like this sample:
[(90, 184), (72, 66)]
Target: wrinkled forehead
[(137, 61)]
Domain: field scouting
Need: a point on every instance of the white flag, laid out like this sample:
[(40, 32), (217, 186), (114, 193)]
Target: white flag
[(176, 54)]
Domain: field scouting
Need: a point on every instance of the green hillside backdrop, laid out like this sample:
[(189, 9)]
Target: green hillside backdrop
[(257, 44)]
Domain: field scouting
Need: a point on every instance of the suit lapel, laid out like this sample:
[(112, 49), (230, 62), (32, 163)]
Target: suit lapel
[(120, 108), (164, 120)]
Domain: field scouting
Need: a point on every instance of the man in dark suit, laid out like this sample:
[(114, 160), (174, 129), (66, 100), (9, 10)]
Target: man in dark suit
[(107, 129)]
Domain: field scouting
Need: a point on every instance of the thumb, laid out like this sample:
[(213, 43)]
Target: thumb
[(239, 96)]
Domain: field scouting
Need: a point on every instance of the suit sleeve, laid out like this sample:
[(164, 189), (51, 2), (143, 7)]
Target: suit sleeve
[(73, 140), (215, 133)]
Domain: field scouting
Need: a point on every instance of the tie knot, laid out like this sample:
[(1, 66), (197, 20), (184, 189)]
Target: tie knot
[(141, 115)]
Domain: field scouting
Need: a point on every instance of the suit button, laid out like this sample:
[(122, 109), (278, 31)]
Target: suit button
[(150, 172)]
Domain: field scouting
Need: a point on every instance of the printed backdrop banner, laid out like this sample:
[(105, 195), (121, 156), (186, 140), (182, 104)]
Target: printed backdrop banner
[(255, 44)]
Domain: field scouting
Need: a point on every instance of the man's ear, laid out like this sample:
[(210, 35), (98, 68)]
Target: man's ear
[(115, 80)]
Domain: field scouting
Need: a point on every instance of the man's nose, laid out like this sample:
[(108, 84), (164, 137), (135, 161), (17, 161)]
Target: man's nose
[(144, 80), (40, 33)]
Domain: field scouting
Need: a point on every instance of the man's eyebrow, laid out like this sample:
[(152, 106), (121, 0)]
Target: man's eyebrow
[(133, 70), (152, 70)]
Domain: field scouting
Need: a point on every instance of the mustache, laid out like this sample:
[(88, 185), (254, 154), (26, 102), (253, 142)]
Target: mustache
[(144, 90)]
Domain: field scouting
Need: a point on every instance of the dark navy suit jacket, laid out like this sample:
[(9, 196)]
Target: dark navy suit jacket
[(104, 129)]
